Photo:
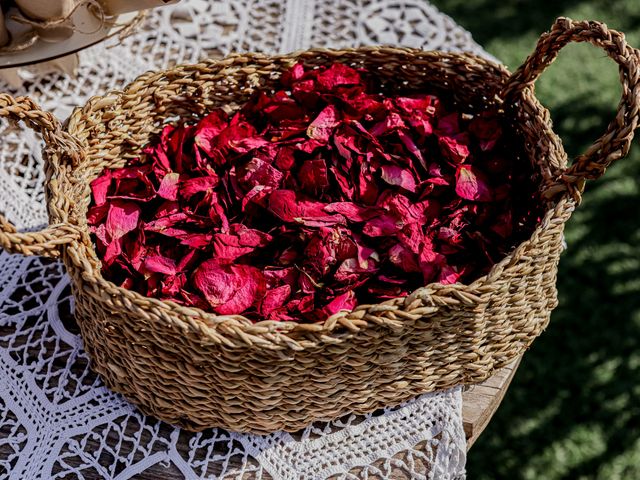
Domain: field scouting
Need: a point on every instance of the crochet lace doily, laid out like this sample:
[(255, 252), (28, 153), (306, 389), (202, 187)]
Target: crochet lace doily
[(57, 420)]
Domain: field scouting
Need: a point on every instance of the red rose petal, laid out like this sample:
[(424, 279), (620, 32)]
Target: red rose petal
[(113, 251), (289, 207), (398, 176), (160, 264), (208, 129), (352, 211), (100, 187), (285, 159), (430, 261), (487, 130), (346, 301), (336, 75), (454, 148), (403, 258), (122, 218), (382, 226), (169, 186), (449, 275), (448, 125), (306, 304), (313, 176), (471, 184), (191, 186), (411, 146), (196, 240), (391, 123), (351, 272), (132, 183), (324, 124), (258, 172), (239, 241), (274, 299), (172, 285), (418, 103), (247, 144), (257, 195), (229, 289), (367, 188), (97, 214), (343, 182)]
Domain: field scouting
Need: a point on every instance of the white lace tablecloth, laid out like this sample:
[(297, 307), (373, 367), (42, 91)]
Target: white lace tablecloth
[(57, 420)]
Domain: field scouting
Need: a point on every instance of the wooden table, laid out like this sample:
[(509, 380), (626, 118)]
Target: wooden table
[(480, 402)]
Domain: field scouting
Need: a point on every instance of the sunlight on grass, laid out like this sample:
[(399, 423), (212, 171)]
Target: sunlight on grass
[(573, 410)]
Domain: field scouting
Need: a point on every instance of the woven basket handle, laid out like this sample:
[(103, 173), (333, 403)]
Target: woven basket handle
[(47, 242), (615, 143)]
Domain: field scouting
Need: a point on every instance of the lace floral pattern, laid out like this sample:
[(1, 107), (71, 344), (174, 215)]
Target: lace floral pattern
[(57, 420)]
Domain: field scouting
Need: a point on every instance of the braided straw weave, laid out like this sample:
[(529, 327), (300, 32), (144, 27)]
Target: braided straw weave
[(199, 370)]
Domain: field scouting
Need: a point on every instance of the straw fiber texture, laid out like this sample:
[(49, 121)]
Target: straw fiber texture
[(199, 370)]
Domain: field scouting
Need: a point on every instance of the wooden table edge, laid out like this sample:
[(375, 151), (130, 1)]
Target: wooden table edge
[(480, 401)]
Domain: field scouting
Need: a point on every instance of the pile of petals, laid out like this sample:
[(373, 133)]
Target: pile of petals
[(312, 199)]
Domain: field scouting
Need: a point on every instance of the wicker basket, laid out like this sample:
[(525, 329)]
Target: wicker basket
[(199, 370)]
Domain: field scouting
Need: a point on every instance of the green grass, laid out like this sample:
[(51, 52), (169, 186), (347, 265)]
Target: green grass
[(573, 410)]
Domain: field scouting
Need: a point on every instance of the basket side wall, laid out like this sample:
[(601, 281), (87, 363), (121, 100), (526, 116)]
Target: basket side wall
[(172, 375)]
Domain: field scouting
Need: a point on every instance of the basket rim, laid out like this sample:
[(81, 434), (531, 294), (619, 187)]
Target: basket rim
[(237, 330)]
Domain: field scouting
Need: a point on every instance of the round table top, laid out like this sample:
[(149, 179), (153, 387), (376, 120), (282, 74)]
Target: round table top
[(89, 30)]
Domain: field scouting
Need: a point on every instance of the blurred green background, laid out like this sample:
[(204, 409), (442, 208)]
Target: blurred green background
[(573, 410)]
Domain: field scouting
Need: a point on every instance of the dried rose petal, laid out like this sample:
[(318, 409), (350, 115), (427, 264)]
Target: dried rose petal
[(239, 241), (285, 159), (448, 125), (176, 146), (336, 75), (229, 289), (191, 186), (208, 129), (274, 299), (122, 218), (290, 207), (411, 146), (324, 124), (418, 103), (97, 214), (352, 211), (454, 148), (382, 226), (368, 190), (354, 273), (100, 188), (132, 183), (169, 186), (487, 130), (431, 262), (313, 176), (391, 123), (471, 184), (160, 264), (346, 301), (403, 258), (449, 275), (258, 172), (398, 176)]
